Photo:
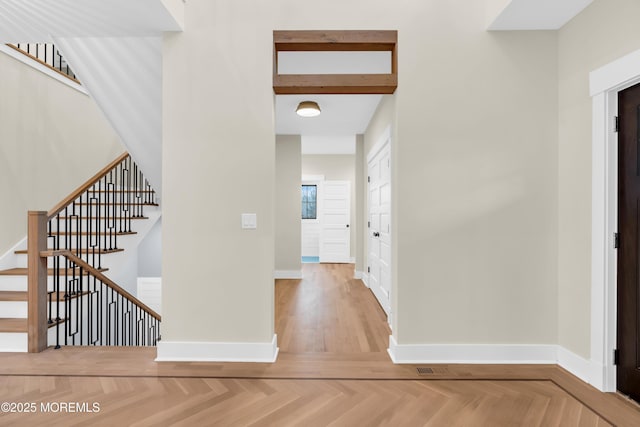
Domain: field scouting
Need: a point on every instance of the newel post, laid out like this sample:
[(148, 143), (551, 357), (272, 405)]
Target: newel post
[(37, 281)]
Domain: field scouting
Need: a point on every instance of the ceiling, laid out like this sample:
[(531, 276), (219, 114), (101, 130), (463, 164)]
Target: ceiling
[(536, 14), (342, 115)]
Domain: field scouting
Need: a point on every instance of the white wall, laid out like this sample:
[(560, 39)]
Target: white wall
[(52, 139), (150, 252), (287, 216), (475, 171), (605, 31), (218, 162)]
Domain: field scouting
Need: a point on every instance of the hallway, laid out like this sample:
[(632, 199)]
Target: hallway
[(329, 312)]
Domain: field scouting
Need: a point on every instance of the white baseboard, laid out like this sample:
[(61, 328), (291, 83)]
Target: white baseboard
[(365, 279), (287, 274), (177, 351), (575, 364), (493, 353), (359, 275), (471, 353), (352, 260)]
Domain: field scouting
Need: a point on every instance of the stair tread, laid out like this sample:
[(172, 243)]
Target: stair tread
[(13, 325), (93, 233), (24, 271), (123, 191), (20, 296), (61, 296), (14, 295), (84, 251), (119, 204), (102, 218)]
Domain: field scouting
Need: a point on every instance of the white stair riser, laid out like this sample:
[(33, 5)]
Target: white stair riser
[(19, 283), (19, 309), (13, 283), (23, 261), (13, 342), (112, 211), (13, 309)]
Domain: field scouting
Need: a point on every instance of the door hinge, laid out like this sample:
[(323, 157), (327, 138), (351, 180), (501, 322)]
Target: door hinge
[(368, 224), (616, 357), (617, 124), (368, 179), (616, 240), (368, 269)]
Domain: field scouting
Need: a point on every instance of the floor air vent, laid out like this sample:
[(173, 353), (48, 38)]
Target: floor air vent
[(424, 371)]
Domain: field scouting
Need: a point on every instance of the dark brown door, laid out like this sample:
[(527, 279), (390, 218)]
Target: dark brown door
[(629, 229)]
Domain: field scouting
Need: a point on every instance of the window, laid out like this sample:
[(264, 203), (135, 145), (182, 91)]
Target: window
[(309, 201)]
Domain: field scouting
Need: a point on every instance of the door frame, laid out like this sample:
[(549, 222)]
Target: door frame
[(385, 137), (605, 83)]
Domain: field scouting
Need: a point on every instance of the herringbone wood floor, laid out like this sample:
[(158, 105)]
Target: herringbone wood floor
[(243, 402), (333, 370)]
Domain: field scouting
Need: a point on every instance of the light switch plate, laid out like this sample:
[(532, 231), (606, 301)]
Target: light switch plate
[(249, 221)]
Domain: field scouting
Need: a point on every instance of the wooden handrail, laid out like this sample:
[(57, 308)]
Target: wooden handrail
[(84, 187), (110, 283), (40, 61)]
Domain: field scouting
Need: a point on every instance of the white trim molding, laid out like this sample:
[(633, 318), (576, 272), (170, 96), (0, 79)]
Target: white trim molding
[(43, 69), (471, 353), (365, 279), (287, 274), (548, 354), (576, 365), (359, 275), (178, 351), (605, 83)]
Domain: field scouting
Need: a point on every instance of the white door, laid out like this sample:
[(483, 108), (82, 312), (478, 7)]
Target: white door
[(335, 235), (379, 227)]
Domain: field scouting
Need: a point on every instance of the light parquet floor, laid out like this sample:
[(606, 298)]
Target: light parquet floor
[(235, 402), (333, 369)]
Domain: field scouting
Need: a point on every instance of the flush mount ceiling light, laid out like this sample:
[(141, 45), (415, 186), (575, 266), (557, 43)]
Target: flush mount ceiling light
[(308, 109)]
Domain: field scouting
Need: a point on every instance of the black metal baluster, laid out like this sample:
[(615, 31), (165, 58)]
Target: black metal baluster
[(99, 225), (118, 319), (67, 300), (79, 304)]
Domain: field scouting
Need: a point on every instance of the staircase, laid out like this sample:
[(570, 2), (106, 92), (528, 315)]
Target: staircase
[(58, 290), (68, 294), (48, 55)]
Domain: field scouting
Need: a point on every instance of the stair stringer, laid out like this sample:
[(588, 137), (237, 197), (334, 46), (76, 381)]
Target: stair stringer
[(124, 76)]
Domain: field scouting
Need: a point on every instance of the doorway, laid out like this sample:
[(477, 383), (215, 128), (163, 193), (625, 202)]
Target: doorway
[(628, 325), (335, 219)]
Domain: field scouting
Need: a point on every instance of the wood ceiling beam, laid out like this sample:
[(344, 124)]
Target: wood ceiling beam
[(332, 41), (335, 84)]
